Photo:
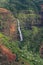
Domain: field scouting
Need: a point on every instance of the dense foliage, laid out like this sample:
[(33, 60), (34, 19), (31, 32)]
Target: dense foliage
[(27, 11)]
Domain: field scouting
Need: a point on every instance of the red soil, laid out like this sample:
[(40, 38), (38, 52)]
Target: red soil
[(8, 53), (2, 10)]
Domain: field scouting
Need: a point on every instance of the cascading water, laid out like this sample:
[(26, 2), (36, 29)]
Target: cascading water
[(19, 29)]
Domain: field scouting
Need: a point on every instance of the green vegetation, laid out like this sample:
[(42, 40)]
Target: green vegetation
[(26, 55), (27, 13)]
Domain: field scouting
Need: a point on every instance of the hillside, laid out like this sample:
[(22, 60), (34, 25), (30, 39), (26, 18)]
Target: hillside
[(29, 51), (8, 24), (18, 5)]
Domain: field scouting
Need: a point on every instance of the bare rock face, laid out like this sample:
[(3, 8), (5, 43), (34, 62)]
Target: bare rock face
[(3, 59), (6, 56), (8, 24)]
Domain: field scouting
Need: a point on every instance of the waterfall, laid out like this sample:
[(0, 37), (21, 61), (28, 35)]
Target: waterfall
[(19, 29)]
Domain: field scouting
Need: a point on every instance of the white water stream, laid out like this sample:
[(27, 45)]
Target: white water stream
[(19, 29)]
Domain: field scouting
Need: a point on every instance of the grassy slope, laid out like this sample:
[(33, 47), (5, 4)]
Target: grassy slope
[(23, 55)]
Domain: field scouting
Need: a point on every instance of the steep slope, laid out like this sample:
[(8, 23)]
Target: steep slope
[(8, 24), (17, 5)]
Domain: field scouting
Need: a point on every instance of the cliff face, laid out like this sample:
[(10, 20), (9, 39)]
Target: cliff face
[(8, 24)]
